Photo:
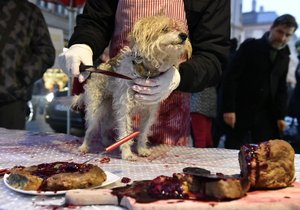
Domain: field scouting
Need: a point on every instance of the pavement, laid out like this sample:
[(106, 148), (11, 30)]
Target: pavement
[(38, 124)]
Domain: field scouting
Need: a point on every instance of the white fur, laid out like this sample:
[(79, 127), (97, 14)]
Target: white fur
[(112, 98)]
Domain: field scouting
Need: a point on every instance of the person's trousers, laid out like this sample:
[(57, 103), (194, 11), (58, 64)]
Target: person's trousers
[(263, 127), (201, 130), (13, 115)]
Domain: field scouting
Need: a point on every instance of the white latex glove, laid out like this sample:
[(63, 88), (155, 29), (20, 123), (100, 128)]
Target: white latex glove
[(70, 60), (157, 89)]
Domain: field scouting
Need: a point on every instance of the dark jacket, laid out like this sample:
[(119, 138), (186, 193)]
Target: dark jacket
[(27, 50), (209, 31), (254, 83), (294, 106)]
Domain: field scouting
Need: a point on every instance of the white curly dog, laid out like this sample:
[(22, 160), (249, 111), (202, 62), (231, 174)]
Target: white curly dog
[(156, 42)]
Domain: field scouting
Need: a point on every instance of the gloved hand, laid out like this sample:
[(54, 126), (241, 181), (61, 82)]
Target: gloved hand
[(229, 118), (281, 125), (70, 60), (154, 90)]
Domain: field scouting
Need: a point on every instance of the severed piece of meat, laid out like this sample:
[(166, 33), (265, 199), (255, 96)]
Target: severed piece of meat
[(56, 176), (268, 165), (217, 186), (186, 186)]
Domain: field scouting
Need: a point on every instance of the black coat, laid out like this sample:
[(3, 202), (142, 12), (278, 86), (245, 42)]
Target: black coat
[(254, 83), (294, 106), (209, 31)]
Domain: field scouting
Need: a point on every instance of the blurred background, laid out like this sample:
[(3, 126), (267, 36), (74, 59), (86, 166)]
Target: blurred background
[(50, 104)]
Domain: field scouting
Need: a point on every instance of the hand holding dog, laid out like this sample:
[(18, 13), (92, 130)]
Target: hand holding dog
[(154, 90), (70, 60)]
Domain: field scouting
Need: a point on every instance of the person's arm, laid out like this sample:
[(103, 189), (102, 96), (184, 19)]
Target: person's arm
[(232, 76), (94, 27), (41, 50), (281, 101), (209, 30), (92, 34), (281, 96)]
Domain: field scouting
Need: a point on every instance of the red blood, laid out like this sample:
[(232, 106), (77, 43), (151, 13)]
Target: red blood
[(105, 160), (125, 180)]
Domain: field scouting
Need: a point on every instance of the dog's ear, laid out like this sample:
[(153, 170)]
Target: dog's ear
[(188, 48)]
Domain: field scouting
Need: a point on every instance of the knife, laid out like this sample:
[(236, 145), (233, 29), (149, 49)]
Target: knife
[(115, 145), (86, 70)]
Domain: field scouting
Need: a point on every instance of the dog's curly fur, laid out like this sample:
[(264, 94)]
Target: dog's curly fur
[(154, 41)]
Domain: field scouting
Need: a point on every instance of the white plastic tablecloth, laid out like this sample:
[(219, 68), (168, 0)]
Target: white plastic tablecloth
[(29, 148)]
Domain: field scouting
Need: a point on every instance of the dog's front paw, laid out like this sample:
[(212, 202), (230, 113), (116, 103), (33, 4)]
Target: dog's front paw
[(144, 151), (129, 156), (83, 148)]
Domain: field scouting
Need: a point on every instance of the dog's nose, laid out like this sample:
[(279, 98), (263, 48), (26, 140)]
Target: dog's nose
[(182, 36)]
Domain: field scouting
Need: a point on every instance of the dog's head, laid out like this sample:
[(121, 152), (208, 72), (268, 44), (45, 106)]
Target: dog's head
[(158, 40)]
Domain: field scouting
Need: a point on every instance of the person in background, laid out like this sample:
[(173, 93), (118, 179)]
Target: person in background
[(255, 90), (203, 111), (205, 127), (110, 21), (26, 52), (219, 127), (294, 104), (39, 92)]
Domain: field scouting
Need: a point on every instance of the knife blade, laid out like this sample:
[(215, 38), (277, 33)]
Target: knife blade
[(86, 70)]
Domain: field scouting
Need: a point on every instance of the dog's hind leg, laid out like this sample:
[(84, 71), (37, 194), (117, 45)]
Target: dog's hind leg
[(147, 120)]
